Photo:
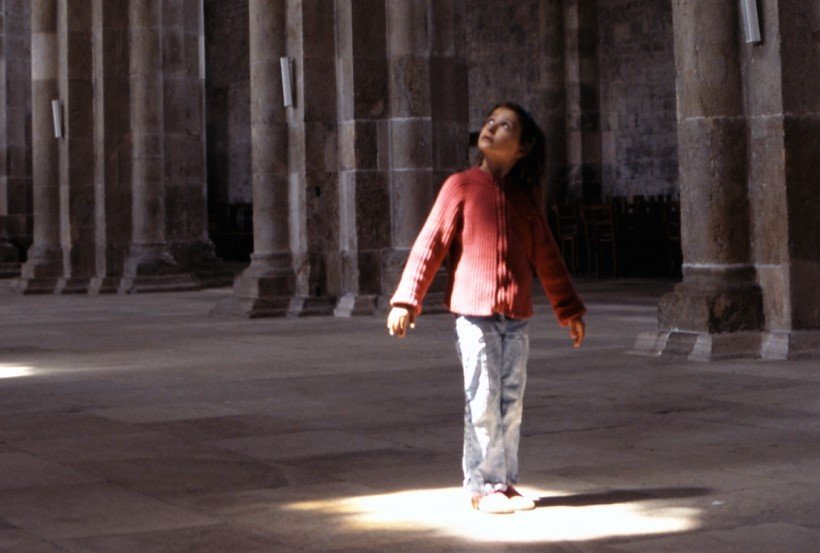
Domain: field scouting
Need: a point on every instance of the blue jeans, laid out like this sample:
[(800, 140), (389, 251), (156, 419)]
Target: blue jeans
[(493, 352)]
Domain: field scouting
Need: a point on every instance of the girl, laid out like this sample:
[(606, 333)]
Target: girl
[(490, 222)]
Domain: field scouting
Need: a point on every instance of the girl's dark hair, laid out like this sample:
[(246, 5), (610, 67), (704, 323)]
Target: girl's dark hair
[(529, 170)]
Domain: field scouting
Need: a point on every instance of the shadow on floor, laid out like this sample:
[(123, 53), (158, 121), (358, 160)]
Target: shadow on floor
[(619, 496)]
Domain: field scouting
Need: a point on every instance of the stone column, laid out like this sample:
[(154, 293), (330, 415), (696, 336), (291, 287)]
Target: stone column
[(449, 118), (267, 286), (77, 146), (449, 97), (183, 76), (716, 310), (149, 266), (112, 151), (312, 154), (583, 121), (364, 201), (15, 138), (410, 135), (782, 76), (45, 262), (427, 130)]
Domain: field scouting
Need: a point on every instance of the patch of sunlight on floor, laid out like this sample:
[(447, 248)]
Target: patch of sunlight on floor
[(446, 512), (14, 371)]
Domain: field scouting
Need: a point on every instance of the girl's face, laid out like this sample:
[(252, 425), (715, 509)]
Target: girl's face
[(500, 137)]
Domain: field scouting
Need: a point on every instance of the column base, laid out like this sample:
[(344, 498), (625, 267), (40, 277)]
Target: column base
[(10, 269), (150, 268), (713, 300), (698, 346), (253, 308), (8, 253), (33, 285), (214, 276), (41, 273), (104, 285), (72, 286), (712, 307), (790, 344), (264, 289), (351, 305), (199, 257), (301, 306), (179, 282)]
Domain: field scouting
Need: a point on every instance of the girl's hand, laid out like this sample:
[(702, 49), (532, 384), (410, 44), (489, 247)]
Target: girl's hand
[(577, 329), (399, 320)]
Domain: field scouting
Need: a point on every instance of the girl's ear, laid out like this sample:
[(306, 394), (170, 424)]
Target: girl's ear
[(524, 150)]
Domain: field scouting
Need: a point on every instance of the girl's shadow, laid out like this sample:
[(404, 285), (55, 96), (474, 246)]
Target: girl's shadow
[(619, 496)]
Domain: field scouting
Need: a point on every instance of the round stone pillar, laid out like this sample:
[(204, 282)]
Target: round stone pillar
[(410, 124), (149, 265), (717, 307), (410, 138), (44, 266), (267, 286), (364, 199)]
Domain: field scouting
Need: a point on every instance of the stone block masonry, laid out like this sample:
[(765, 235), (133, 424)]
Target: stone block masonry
[(637, 84), (15, 140)]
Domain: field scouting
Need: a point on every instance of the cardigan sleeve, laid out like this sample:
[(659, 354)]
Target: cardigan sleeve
[(553, 273), (431, 246)]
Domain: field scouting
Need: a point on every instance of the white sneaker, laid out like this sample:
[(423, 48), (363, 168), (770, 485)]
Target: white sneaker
[(518, 501), (495, 503)]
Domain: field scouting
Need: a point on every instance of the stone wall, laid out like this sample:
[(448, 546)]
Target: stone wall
[(616, 113), (15, 130), (504, 57), (515, 53), (637, 85)]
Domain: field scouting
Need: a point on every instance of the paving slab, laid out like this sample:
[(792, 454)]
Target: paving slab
[(60, 512), (219, 538), (761, 538), (118, 447), (21, 470), (17, 541)]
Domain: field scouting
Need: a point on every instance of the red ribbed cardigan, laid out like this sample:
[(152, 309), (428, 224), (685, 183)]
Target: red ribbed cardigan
[(495, 237)]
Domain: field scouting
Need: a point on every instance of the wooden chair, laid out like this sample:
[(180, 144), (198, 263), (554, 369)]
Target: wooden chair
[(568, 235), (600, 230)]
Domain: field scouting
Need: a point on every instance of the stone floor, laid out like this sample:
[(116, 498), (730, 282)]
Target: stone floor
[(145, 424)]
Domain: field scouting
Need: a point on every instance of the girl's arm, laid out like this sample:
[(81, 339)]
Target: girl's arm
[(554, 277), (431, 247)]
